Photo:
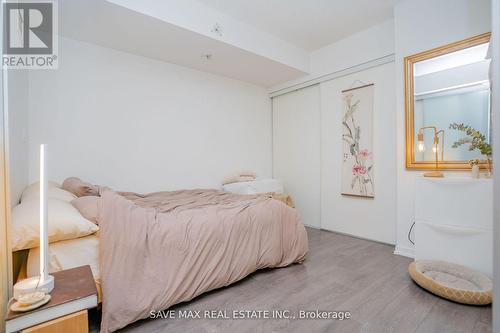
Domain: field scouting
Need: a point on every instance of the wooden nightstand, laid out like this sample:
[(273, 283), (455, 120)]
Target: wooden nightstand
[(74, 292)]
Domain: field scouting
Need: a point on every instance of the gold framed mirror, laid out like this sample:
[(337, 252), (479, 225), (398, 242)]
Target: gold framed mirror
[(446, 87)]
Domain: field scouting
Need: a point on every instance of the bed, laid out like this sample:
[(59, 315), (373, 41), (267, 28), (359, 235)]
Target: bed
[(179, 244)]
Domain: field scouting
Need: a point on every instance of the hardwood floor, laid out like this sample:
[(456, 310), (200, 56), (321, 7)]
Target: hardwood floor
[(341, 274)]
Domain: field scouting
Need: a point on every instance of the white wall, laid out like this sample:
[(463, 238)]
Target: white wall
[(138, 124), (368, 218), (362, 47), (297, 150), (419, 26), (18, 132)]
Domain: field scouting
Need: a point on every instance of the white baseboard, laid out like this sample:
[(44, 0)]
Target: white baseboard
[(312, 226), (358, 237), (405, 252)]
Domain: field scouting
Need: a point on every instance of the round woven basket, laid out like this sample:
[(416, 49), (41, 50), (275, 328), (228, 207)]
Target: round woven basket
[(451, 281)]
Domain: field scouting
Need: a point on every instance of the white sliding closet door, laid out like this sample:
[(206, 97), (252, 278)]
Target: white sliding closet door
[(296, 149)]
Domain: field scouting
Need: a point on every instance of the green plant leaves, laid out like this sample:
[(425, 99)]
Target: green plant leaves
[(475, 139)]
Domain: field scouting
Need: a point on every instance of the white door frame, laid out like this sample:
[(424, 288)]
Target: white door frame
[(5, 253), (495, 40)]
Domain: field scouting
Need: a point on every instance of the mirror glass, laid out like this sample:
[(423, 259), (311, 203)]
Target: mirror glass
[(450, 88)]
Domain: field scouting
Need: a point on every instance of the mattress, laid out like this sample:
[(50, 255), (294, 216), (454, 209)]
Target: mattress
[(68, 254), (255, 187)]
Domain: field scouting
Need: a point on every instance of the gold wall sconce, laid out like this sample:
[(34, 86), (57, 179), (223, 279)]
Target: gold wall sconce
[(435, 148)]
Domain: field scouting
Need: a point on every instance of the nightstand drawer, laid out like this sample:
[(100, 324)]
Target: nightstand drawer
[(75, 323)]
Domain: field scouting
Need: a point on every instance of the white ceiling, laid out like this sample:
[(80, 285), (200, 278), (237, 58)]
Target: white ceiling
[(309, 24), (265, 42), (106, 24)]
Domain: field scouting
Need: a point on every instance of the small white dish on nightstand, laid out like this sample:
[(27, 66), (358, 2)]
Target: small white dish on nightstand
[(20, 307)]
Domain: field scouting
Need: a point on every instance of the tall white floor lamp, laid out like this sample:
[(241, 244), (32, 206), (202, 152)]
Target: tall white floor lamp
[(43, 282)]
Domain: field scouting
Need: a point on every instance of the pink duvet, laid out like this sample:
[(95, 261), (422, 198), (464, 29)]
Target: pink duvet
[(164, 248)]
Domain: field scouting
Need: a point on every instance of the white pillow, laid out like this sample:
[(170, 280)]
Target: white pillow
[(53, 191), (65, 222)]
